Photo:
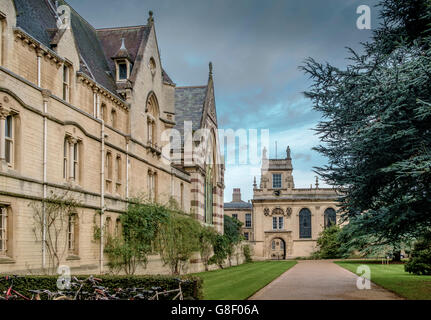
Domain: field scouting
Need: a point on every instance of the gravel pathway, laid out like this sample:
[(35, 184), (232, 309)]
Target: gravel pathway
[(320, 280)]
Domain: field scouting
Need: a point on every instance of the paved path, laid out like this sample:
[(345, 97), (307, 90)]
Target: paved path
[(320, 280)]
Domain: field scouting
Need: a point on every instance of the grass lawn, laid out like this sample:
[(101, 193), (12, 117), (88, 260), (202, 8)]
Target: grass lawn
[(394, 278), (241, 282)]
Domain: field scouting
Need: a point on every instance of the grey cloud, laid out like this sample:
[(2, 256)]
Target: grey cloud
[(256, 47)]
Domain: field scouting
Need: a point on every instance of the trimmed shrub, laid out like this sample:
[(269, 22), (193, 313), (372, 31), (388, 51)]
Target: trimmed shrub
[(192, 289)]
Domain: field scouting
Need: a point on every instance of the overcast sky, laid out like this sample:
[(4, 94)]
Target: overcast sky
[(256, 47)]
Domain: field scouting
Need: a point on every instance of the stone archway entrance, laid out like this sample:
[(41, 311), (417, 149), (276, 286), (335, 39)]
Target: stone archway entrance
[(278, 249)]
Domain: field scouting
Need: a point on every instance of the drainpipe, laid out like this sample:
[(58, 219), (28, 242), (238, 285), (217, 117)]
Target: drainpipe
[(45, 94), (102, 194)]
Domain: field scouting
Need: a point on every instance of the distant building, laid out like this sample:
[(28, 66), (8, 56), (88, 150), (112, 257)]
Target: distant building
[(286, 221), (242, 211)]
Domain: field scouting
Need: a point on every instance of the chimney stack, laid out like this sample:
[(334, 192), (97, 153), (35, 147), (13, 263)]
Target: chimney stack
[(236, 195)]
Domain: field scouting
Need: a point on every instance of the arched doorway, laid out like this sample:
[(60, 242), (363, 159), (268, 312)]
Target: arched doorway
[(278, 249)]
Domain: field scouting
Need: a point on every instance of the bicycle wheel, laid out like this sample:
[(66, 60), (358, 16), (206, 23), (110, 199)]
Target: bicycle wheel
[(62, 298)]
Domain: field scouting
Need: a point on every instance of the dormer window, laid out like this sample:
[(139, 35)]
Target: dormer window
[(123, 63), (122, 71)]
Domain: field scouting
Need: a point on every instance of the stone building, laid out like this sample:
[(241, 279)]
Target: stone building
[(242, 211), (286, 221), (86, 111)]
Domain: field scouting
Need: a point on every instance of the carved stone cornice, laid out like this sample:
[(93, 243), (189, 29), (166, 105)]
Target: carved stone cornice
[(40, 49), (277, 211)]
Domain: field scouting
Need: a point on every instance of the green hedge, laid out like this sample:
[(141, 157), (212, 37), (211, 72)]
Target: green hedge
[(191, 289)]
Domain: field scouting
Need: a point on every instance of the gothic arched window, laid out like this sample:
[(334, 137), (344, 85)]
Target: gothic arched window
[(305, 223), (152, 110), (330, 217)]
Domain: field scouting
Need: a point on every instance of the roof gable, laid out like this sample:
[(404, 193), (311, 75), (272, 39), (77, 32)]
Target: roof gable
[(111, 39), (210, 107)]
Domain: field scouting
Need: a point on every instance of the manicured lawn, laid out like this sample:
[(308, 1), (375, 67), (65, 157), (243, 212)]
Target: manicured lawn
[(241, 282), (394, 278)]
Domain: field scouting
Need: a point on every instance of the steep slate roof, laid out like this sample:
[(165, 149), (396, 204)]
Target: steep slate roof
[(97, 47), (110, 39), (189, 106), (36, 17), (91, 51), (238, 205)]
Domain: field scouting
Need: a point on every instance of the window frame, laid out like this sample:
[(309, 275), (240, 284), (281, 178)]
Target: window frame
[(248, 223), (3, 230), (305, 232), (76, 161), (277, 223), (65, 158), (66, 83), (120, 70), (9, 140), (280, 223), (108, 171), (328, 213), (279, 185), (71, 233), (274, 223)]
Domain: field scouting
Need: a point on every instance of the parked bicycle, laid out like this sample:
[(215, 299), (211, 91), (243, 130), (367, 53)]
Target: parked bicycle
[(11, 293), (179, 292), (97, 292)]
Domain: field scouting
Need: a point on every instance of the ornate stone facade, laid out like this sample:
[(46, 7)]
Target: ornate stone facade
[(286, 221)]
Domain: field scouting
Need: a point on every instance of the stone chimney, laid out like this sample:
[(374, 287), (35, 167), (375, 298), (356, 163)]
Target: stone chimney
[(236, 195)]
